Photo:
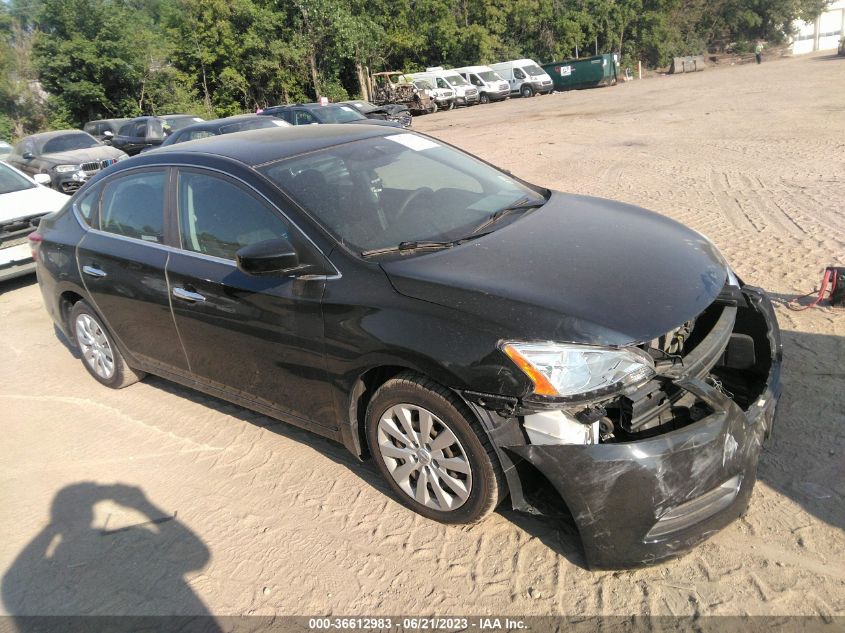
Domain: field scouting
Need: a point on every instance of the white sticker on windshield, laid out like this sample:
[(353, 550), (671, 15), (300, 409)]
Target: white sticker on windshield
[(278, 122), (412, 141), (347, 108)]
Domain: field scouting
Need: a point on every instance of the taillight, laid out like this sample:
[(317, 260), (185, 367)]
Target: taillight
[(35, 239)]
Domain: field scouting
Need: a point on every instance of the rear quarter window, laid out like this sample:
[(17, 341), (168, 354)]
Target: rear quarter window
[(87, 205)]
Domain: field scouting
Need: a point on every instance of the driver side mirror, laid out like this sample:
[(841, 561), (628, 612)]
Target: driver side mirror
[(269, 257), (28, 155)]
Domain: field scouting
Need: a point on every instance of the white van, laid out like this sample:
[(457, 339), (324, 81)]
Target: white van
[(525, 77), (465, 93), (491, 87)]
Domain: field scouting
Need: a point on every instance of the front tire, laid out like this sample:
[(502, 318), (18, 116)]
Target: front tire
[(432, 451), (100, 355), (526, 91)]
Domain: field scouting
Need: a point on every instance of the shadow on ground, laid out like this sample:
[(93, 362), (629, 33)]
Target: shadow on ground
[(73, 568)]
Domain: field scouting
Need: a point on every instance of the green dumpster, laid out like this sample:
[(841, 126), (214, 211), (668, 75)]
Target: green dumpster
[(589, 72)]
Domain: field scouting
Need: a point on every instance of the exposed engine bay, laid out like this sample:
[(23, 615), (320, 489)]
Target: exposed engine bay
[(727, 345)]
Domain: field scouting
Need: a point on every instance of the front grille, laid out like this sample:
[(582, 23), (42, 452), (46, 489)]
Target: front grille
[(15, 232), (71, 186), (547, 83), (96, 166), (472, 92)]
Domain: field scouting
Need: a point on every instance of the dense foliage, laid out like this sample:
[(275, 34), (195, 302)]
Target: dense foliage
[(107, 58)]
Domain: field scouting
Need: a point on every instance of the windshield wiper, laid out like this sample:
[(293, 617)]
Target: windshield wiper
[(519, 205), (418, 245)]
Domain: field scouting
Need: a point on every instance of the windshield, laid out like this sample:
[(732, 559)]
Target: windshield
[(456, 80), (11, 181), (69, 142), (378, 192), (489, 75), (534, 70), (422, 84), (337, 114)]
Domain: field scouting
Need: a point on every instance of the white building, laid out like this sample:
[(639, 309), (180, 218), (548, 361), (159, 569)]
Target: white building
[(823, 34)]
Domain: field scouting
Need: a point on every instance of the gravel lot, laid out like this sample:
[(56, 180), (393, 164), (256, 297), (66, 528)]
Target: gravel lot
[(257, 517)]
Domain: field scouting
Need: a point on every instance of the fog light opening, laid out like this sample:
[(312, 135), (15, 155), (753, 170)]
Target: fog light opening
[(696, 510)]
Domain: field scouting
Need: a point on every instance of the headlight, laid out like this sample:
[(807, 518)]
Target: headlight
[(579, 372), (125, 156), (63, 169)]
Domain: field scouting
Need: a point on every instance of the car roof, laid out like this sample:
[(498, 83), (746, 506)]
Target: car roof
[(44, 136), (215, 124), (107, 120), (307, 106), (256, 147)]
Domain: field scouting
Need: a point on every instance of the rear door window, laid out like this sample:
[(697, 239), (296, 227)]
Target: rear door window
[(218, 217), (133, 206)]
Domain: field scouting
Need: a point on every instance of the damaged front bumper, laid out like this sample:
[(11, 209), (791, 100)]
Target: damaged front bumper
[(637, 501)]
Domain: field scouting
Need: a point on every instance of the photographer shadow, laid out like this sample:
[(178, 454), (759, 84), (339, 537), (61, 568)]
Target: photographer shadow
[(72, 568)]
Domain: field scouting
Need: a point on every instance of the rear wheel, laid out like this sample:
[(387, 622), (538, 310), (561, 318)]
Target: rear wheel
[(483, 98), (99, 353), (526, 91), (432, 451)]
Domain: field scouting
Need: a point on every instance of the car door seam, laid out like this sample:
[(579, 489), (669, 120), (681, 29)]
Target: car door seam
[(173, 314)]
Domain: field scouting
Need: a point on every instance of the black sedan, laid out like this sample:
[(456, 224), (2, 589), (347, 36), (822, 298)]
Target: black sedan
[(315, 113), (464, 328), (228, 125), (68, 157)]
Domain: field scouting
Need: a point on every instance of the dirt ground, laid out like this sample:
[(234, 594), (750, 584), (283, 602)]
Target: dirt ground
[(243, 515)]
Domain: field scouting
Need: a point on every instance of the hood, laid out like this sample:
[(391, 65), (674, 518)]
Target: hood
[(78, 156), (578, 269), (35, 201)]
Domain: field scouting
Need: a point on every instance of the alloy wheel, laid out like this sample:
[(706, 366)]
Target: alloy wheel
[(95, 346), (424, 457)]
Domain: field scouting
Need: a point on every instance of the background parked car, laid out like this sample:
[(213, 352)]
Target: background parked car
[(387, 112), (23, 202), (150, 131), (311, 113), (443, 97), (525, 77), (104, 130), (5, 150), (228, 125), (491, 86), (69, 157)]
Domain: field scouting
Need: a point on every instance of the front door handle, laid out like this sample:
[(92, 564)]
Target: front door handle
[(93, 271), (187, 295)]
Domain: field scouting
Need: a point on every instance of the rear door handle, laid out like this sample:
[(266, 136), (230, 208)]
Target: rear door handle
[(187, 295), (93, 271)]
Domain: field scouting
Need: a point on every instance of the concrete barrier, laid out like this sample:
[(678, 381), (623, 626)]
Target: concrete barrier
[(688, 64)]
